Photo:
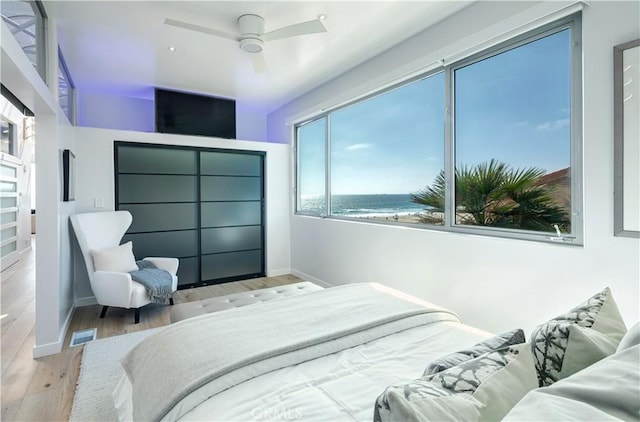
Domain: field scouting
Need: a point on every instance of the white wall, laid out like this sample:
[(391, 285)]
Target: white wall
[(115, 112), (119, 112), (95, 169), (494, 284), (53, 266)]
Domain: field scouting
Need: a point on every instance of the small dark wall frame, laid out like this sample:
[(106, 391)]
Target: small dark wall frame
[(68, 176)]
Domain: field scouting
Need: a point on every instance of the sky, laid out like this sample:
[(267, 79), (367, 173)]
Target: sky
[(513, 107)]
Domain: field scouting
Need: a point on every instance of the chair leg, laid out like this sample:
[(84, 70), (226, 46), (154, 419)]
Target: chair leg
[(171, 301), (137, 315), (104, 311)]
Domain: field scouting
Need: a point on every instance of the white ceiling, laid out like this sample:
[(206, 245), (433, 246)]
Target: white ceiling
[(121, 47)]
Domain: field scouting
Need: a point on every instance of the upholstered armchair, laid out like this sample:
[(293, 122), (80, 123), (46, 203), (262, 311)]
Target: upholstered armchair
[(108, 263)]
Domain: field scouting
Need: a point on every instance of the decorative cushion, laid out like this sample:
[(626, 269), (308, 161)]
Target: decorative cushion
[(119, 259), (575, 340), (494, 343), (631, 338), (482, 388)]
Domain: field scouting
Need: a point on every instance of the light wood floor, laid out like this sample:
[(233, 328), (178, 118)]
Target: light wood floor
[(42, 389)]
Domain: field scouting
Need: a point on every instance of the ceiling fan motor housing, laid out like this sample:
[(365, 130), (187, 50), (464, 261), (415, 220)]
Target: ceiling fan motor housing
[(251, 45), (251, 28)]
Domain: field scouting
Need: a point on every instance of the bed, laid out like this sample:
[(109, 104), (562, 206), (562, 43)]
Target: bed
[(349, 353)]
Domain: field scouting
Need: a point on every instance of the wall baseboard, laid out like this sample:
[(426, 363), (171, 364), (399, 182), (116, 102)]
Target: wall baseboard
[(55, 347), (276, 273), (85, 301), (312, 279)]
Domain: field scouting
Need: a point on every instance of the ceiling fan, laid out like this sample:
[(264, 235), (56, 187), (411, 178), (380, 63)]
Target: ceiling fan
[(251, 35)]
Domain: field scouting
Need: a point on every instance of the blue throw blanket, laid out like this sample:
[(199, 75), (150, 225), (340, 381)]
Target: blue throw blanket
[(157, 282)]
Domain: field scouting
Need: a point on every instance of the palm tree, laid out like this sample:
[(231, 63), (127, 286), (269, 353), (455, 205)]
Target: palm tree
[(493, 194)]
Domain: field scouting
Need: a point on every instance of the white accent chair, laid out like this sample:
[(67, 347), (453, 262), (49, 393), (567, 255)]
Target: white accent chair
[(102, 230)]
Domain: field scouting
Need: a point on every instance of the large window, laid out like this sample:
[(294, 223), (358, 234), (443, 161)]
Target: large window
[(27, 22), (504, 161)]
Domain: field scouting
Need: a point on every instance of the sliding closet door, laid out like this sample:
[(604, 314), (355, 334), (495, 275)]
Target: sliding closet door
[(159, 186), (200, 205), (231, 214)]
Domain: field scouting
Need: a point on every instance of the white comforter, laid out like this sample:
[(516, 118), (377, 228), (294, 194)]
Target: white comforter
[(325, 356), (339, 387)]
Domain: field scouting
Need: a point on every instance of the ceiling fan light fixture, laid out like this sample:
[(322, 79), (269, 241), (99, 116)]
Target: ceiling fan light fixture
[(252, 45)]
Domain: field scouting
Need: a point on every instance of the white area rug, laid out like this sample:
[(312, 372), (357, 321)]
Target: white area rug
[(100, 371)]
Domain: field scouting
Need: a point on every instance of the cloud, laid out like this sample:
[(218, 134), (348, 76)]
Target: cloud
[(356, 147), (553, 124)]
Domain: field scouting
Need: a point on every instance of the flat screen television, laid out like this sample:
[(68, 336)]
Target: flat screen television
[(192, 114)]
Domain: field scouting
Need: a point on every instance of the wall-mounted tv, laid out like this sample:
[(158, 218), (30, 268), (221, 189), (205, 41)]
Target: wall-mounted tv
[(192, 114)]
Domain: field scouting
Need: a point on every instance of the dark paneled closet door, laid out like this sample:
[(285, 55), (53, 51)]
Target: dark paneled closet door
[(203, 206), (231, 214)]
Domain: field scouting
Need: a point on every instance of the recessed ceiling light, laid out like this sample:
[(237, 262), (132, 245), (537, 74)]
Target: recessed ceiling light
[(171, 48), (322, 16)]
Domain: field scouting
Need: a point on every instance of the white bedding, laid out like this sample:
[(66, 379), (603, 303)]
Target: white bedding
[(338, 387), (341, 347)]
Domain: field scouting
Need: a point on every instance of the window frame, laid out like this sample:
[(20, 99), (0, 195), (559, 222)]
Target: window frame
[(574, 24)]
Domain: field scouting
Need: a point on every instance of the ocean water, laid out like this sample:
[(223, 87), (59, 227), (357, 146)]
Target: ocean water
[(364, 205)]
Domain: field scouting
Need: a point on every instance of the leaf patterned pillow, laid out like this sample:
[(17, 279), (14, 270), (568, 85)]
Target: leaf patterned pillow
[(482, 388), (574, 340), (500, 341)]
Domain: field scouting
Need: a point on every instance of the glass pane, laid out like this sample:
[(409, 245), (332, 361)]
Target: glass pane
[(172, 244), (230, 164), (7, 171), (8, 232), (222, 214), (8, 248), (140, 188), (8, 217), (7, 145), (25, 23), (223, 188), (231, 264), (188, 271), (9, 202), (385, 150), (65, 88), (156, 160), (311, 167), (161, 217), (226, 239), (8, 187), (513, 138)]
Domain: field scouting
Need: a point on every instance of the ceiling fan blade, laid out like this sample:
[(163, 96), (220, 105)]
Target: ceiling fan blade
[(202, 29), (310, 27), (258, 62)]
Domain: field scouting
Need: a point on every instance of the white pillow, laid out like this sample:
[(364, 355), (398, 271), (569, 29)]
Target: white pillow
[(632, 338), (572, 341), (484, 388), (119, 259), (608, 390)]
